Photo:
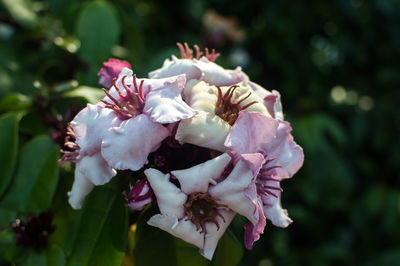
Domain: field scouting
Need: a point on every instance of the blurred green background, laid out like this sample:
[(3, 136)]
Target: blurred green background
[(336, 64)]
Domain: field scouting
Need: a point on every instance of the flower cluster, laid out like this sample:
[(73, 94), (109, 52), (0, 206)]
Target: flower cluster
[(208, 142)]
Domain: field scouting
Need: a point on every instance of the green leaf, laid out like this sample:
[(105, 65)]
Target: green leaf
[(21, 11), (102, 232), (153, 246), (228, 252), (52, 255), (15, 102), (98, 30), (92, 95), (186, 252), (9, 148), (37, 177)]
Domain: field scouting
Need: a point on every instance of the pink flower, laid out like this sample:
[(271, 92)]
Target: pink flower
[(111, 70), (200, 67), (202, 208), (139, 195), (257, 135)]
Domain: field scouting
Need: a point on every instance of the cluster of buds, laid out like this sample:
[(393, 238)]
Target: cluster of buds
[(208, 144)]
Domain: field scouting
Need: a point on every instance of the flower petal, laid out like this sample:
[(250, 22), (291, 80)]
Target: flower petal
[(233, 191), (170, 199), (90, 170), (204, 130), (285, 152), (274, 105), (198, 178), (81, 187), (250, 131), (273, 208), (252, 232), (214, 233), (200, 95), (176, 67), (202, 69), (164, 103), (127, 146), (183, 229), (90, 125)]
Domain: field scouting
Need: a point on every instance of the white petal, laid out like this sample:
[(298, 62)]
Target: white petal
[(127, 146), (197, 178), (164, 103), (200, 95), (204, 130), (170, 199), (214, 233), (96, 169), (89, 127), (232, 191), (176, 67), (81, 187), (182, 229)]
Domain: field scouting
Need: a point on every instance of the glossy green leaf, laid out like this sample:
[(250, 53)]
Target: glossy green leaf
[(34, 186), (92, 95), (9, 148), (97, 28), (153, 246), (52, 255), (102, 232)]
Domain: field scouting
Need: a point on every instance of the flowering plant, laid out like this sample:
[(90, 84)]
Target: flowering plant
[(206, 142)]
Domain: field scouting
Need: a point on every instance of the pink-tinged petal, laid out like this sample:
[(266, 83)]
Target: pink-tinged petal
[(90, 125), (111, 70), (204, 130), (90, 170), (183, 229), (234, 191), (198, 178), (127, 146), (170, 199), (164, 104), (273, 208), (176, 67), (81, 187), (250, 132), (214, 233), (274, 105), (254, 161), (252, 232), (285, 152)]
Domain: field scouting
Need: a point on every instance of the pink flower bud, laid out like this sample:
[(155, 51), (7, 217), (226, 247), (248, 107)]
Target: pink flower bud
[(111, 70), (139, 195)]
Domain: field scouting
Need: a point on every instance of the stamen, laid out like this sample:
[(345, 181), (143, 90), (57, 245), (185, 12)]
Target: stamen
[(226, 108), (187, 53), (70, 152), (201, 208)]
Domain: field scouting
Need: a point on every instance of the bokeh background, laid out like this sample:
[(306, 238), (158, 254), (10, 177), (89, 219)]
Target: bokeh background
[(335, 63)]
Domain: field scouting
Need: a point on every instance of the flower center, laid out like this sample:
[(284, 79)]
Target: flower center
[(226, 108), (187, 53), (201, 208), (129, 105)]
